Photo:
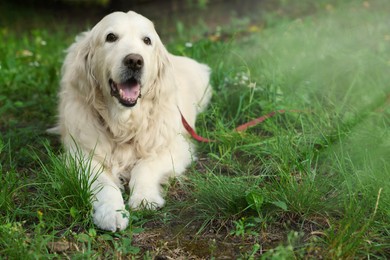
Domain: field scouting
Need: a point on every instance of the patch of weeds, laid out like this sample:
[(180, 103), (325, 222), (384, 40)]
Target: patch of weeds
[(117, 245), (18, 242), (246, 227), (290, 250), (121, 244), (13, 240), (259, 202)]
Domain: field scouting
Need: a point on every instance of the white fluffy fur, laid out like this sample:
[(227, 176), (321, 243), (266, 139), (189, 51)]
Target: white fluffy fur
[(143, 144)]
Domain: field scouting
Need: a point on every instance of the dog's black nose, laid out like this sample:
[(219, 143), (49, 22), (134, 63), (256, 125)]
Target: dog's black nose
[(133, 61)]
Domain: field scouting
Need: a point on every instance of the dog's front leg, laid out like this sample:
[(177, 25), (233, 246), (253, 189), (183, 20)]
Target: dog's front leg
[(147, 175), (109, 209), (145, 187)]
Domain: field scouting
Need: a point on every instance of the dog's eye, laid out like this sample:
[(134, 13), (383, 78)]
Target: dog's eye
[(147, 41), (111, 37)]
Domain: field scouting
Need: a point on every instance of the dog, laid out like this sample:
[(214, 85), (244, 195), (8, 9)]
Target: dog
[(120, 103)]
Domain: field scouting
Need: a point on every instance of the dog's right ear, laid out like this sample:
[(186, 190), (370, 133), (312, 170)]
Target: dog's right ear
[(76, 70)]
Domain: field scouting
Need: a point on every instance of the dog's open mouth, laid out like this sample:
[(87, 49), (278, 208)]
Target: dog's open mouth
[(126, 92)]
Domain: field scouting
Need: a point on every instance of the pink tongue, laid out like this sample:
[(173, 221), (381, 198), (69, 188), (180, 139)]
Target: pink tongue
[(129, 92)]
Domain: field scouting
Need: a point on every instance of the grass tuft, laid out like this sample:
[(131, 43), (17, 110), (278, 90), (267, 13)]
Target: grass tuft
[(65, 190)]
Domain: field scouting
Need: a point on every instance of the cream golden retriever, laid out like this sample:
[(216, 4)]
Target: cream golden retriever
[(120, 101)]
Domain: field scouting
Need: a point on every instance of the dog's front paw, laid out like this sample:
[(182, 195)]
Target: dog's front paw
[(111, 218), (146, 201)]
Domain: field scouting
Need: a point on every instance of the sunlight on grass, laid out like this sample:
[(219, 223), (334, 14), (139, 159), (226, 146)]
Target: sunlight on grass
[(332, 159)]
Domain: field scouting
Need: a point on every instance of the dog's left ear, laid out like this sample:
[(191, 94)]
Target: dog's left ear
[(164, 81), (163, 61)]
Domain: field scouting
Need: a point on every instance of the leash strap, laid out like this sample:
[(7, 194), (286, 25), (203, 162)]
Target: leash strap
[(192, 132), (258, 120), (240, 128)]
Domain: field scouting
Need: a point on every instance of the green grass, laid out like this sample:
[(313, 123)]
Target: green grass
[(299, 185)]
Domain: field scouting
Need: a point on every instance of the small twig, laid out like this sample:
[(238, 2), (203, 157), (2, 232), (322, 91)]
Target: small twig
[(377, 202)]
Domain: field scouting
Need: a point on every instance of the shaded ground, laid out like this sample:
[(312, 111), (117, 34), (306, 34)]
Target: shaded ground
[(27, 15)]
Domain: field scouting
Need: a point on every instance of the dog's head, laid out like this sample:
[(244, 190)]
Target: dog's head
[(122, 56)]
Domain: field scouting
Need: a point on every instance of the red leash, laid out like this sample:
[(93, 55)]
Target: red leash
[(258, 120), (192, 132), (240, 128)]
